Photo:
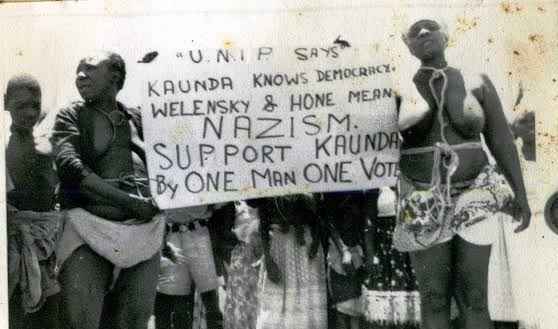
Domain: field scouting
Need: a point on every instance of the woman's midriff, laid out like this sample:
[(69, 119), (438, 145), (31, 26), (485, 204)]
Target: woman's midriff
[(418, 167)]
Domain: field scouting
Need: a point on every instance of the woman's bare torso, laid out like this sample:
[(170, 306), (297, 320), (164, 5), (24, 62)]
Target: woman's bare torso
[(116, 161), (428, 132)]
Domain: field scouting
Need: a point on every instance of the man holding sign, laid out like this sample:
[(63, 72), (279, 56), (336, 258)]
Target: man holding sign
[(111, 240)]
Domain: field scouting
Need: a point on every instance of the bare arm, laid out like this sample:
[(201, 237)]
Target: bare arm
[(412, 110), (499, 139)]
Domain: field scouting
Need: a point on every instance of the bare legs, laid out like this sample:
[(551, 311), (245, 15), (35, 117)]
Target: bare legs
[(213, 316), (459, 269), (433, 271)]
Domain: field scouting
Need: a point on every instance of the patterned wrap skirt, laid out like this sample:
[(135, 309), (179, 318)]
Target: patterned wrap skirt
[(470, 213)]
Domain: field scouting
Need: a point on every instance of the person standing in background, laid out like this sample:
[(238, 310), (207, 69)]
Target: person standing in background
[(390, 298), (523, 127), (294, 291), (189, 232), (33, 225), (241, 303), (345, 213)]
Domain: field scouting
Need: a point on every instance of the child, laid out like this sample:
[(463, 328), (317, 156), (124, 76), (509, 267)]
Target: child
[(32, 223)]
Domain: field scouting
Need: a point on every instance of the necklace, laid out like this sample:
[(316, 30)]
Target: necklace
[(116, 116)]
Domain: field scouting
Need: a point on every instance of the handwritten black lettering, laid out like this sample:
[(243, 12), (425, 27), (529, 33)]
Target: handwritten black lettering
[(265, 132)]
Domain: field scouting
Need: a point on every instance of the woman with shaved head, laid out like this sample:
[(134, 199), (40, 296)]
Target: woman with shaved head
[(109, 249), (448, 191)]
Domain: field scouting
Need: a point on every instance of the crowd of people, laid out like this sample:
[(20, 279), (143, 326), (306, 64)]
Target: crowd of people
[(89, 248)]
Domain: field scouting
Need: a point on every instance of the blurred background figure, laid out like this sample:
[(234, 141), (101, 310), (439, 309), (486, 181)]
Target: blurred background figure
[(191, 231), (241, 302), (33, 225), (294, 292), (345, 214), (523, 128), (390, 299)]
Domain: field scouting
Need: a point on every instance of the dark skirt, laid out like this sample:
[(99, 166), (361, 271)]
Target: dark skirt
[(390, 298)]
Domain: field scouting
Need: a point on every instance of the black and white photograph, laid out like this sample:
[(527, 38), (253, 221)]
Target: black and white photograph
[(279, 165)]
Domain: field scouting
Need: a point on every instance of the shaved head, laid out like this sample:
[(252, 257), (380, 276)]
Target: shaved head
[(23, 81)]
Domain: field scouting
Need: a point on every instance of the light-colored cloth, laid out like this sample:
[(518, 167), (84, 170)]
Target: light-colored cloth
[(300, 300), (501, 302), (198, 267), (246, 223), (393, 307), (124, 244), (387, 201), (507, 259), (31, 256)]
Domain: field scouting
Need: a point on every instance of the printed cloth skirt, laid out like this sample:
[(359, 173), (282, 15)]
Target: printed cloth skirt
[(300, 299), (424, 221), (389, 296), (241, 304)]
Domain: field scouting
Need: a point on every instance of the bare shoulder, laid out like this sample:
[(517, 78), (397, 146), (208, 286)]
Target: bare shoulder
[(474, 80), (480, 85)]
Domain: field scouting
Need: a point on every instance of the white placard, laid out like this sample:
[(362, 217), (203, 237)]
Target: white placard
[(228, 124)]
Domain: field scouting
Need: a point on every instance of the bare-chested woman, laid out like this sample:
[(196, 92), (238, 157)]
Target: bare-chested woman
[(109, 248), (441, 160)]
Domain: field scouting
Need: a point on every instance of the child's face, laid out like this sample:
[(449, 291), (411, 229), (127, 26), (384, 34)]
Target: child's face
[(24, 107)]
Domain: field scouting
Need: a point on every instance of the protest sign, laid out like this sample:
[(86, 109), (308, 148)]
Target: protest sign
[(228, 124)]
